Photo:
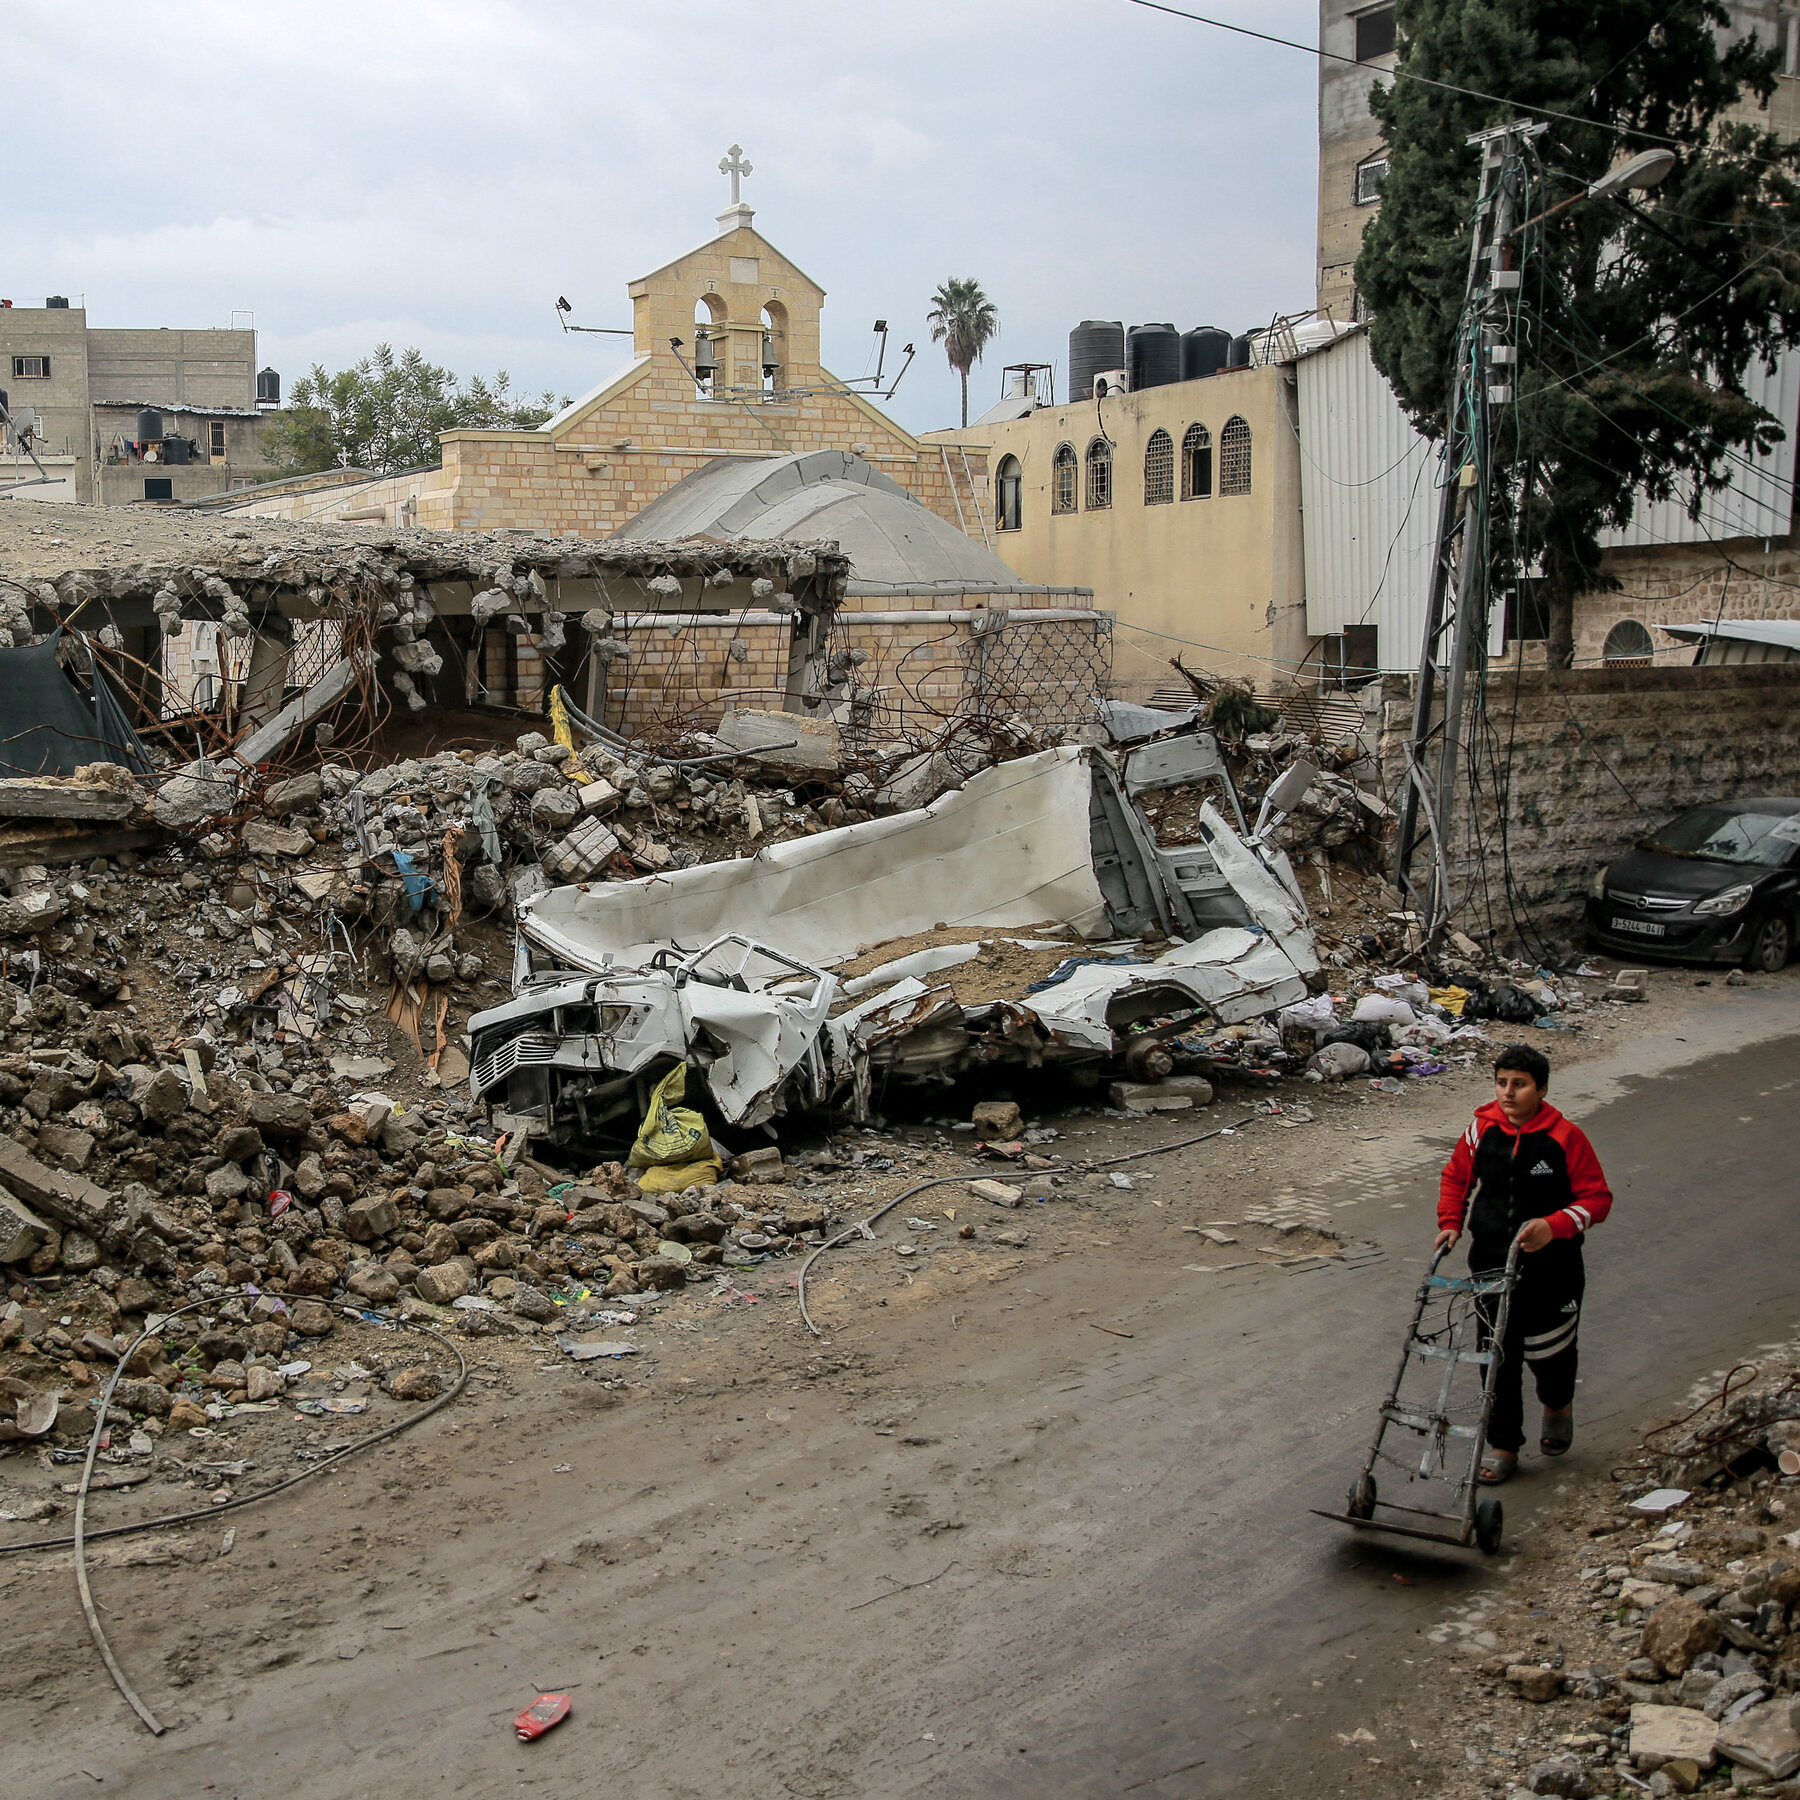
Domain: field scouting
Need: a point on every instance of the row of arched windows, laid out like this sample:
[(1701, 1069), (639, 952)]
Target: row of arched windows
[(1096, 491)]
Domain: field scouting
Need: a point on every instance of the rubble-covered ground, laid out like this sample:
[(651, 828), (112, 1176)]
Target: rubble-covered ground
[(1643, 1635)]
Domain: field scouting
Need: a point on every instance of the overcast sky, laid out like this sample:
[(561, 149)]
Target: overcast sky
[(354, 173)]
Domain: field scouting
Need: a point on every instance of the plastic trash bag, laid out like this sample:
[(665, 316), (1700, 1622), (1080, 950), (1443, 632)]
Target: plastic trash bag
[(1337, 1062), (675, 1178), (1380, 1010), (670, 1133), (1314, 1013)]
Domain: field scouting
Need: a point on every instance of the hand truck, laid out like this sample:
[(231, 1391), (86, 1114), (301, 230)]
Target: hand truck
[(1445, 1412)]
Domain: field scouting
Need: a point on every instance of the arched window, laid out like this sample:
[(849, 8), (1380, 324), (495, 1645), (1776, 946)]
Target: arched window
[(1234, 457), (1009, 483), (1062, 480), (1629, 645), (1099, 475), (1159, 469), (1196, 463)]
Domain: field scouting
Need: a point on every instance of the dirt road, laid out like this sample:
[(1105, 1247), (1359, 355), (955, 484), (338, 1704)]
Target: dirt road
[(1040, 1529)]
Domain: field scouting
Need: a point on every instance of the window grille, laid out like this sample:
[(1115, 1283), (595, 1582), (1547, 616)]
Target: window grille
[(1370, 176), (1629, 645), (1062, 483), (1196, 463), (1008, 487), (1099, 475), (216, 437), (31, 368), (1234, 457), (1159, 469)]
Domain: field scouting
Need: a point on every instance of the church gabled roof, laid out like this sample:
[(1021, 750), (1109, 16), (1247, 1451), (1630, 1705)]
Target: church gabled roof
[(675, 262)]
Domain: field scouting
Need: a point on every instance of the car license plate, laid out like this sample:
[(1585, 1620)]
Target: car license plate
[(1639, 927)]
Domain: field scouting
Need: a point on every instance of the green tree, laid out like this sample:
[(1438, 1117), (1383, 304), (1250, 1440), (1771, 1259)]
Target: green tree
[(1639, 316), (963, 320), (386, 412)]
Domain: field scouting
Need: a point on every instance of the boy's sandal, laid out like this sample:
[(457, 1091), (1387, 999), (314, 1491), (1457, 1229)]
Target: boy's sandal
[(1497, 1466), (1559, 1434)]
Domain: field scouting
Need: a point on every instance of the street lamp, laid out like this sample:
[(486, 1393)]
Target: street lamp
[(1646, 171)]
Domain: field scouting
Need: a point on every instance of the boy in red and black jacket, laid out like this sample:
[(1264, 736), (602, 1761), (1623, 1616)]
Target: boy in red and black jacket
[(1534, 1177)]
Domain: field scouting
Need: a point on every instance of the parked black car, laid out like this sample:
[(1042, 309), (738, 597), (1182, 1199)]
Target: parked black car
[(1718, 884)]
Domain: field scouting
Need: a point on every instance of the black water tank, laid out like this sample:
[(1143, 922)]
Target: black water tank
[(176, 451), (1204, 351), (1155, 355), (149, 426), (1095, 345), (58, 303), (268, 388), (1240, 352)]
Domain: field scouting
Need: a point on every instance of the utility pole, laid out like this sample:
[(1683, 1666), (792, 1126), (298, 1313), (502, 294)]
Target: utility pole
[(1482, 375)]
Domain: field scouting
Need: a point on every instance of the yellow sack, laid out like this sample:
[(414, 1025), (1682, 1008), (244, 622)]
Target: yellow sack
[(1451, 999), (670, 1134), (671, 1178)]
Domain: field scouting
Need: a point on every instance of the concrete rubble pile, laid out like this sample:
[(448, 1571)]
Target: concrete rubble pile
[(1668, 1630)]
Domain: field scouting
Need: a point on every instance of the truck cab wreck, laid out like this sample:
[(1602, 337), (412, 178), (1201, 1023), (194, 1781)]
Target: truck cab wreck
[(727, 966)]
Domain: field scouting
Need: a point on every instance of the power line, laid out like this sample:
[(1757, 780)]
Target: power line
[(1447, 87)]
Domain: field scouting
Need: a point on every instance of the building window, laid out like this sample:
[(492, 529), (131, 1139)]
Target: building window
[(1370, 177), (1062, 480), (1008, 485), (1787, 42), (216, 436), (1159, 469), (1196, 463), (1629, 645), (1234, 457), (1099, 475), (1374, 33), (159, 487), (31, 368)]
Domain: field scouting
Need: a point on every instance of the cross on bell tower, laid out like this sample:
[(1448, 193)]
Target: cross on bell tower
[(737, 213)]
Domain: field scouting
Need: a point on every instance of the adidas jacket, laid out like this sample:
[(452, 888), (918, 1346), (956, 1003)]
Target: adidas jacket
[(1548, 1170)]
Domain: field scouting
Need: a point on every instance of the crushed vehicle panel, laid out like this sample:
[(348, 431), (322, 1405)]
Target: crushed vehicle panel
[(611, 999)]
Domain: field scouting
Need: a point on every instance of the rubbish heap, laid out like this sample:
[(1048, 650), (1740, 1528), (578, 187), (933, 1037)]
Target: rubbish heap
[(1663, 1644)]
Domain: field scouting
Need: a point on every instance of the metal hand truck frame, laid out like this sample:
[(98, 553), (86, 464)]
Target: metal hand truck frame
[(1477, 1516)]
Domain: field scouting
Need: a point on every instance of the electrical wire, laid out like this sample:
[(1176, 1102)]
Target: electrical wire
[(1447, 87)]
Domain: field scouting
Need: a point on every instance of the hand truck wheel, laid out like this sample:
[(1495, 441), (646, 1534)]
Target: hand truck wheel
[(1361, 1503), (1490, 1515)]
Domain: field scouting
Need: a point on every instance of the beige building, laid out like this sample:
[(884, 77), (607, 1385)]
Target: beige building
[(1359, 40), (725, 363), (1179, 506), (123, 415)]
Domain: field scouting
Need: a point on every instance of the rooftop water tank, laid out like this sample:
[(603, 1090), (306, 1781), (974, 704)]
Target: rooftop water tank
[(268, 388), (149, 426), (58, 303), (1204, 351), (1240, 352), (1095, 345), (1153, 356)]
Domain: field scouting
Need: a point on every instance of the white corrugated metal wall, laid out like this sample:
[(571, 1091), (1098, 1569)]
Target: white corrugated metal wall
[(1369, 499), (1368, 490)]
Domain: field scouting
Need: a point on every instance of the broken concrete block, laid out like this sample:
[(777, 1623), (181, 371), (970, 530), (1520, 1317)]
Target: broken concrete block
[(69, 1199), (302, 794), (783, 742), (1765, 1739), (440, 1286), (554, 807), (1676, 1632), (191, 793), (998, 1119), (1629, 984), (597, 796), (263, 839), (996, 1191), (1530, 1682), (1149, 1097), (1664, 1733), (761, 1168), (582, 853), (22, 1232)]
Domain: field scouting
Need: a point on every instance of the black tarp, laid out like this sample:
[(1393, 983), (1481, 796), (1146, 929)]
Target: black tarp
[(48, 726)]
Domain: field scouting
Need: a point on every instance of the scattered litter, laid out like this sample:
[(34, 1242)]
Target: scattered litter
[(544, 1712)]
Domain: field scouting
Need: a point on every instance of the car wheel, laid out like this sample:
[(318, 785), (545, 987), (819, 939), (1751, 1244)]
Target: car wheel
[(1770, 945)]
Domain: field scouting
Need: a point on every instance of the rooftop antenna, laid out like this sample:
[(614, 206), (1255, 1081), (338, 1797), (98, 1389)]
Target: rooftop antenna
[(563, 309)]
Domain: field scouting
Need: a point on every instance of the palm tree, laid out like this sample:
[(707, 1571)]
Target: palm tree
[(963, 320)]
